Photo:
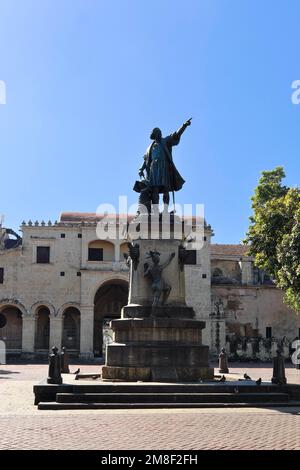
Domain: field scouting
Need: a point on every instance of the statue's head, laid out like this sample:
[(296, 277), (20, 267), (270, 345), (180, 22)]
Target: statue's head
[(156, 134), (154, 255)]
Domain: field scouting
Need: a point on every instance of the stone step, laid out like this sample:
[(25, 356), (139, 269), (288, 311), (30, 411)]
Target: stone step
[(87, 376), (103, 406), (170, 397), (47, 393), (118, 387)]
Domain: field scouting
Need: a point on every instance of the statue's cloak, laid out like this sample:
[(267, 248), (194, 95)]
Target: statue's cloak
[(163, 174)]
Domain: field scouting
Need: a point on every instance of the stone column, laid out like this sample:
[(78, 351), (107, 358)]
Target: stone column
[(117, 251), (87, 332), (28, 334), (56, 326), (247, 272)]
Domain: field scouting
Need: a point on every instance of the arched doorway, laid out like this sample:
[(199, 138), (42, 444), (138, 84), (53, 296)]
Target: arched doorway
[(109, 300), (71, 330), (42, 329), (11, 332)]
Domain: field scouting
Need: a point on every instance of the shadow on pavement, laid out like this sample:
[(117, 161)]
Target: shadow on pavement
[(6, 372)]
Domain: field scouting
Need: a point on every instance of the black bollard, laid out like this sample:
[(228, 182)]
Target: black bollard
[(54, 373), (223, 362), (278, 369), (64, 361)]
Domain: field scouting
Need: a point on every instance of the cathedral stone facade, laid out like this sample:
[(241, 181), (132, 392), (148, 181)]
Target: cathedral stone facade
[(61, 285)]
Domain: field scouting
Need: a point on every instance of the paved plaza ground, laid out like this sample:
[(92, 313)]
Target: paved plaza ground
[(22, 426)]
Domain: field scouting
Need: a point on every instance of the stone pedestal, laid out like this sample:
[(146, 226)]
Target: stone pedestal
[(140, 292), (167, 311), (157, 349), (160, 342)]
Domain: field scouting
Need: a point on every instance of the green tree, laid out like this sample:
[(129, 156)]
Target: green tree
[(274, 233)]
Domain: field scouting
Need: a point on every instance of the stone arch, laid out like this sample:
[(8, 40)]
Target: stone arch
[(109, 299), (217, 272), (109, 278), (71, 329), (13, 303), (64, 307), (11, 332), (42, 328), (35, 307), (123, 250)]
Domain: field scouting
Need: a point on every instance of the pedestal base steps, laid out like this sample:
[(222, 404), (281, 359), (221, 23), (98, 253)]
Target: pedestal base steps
[(158, 395), (157, 349), (156, 374)]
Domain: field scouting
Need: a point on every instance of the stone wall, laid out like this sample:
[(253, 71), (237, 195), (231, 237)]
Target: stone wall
[(248, 311), (29, 285), (230, 268), (236, 314), (197, 282)]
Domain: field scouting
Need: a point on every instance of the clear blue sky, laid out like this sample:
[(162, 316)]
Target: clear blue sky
[(88, 79)]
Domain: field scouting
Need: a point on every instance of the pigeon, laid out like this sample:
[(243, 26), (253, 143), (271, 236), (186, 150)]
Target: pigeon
[(76, 372), (222, 379), (246, 377), (258, 382)]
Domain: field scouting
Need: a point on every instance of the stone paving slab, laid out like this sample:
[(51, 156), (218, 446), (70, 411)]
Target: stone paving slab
[(192, 431), (22, 426), (39, 371)]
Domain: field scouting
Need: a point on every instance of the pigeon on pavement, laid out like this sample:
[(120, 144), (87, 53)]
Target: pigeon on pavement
[(246, 377)]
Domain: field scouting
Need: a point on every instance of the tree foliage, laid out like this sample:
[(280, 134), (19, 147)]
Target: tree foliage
[(274, 233)]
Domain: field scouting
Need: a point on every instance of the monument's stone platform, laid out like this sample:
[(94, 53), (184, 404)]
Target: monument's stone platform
[(157, 338), (108, 395), (157, 349), (158, 329)]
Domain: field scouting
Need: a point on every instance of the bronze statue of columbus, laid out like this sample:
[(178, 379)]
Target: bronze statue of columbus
[(162, 175)]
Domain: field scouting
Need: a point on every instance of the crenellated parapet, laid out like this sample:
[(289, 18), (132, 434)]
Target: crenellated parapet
[(38, 223)]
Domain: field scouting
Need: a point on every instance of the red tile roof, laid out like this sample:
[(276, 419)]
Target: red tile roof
[(92, 217), (217, 249)]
